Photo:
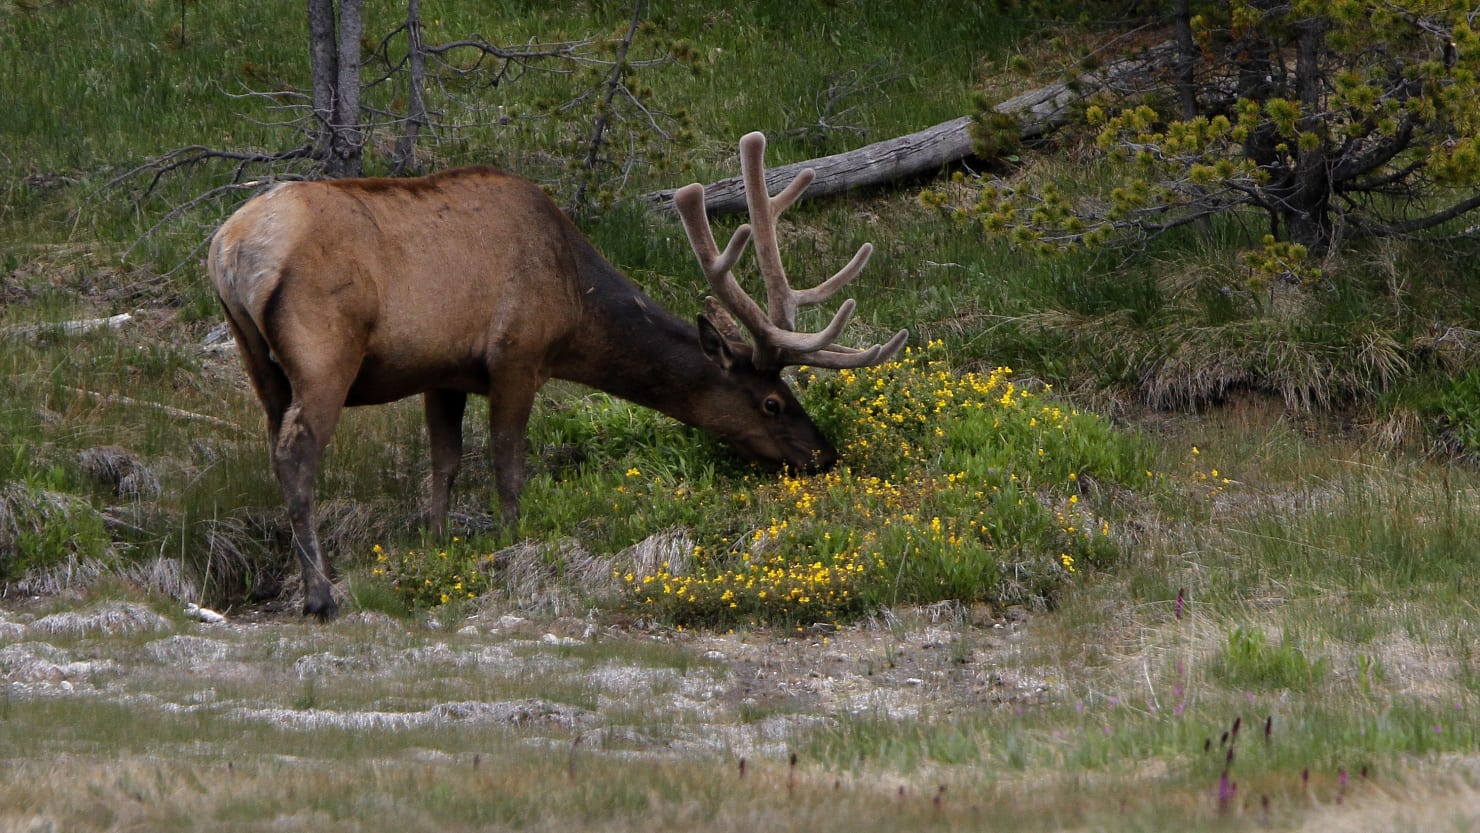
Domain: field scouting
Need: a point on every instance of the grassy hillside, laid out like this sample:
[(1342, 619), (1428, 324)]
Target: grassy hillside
[(90, 248), (1184, 508)]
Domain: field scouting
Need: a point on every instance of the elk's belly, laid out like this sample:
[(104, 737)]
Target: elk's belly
[(380, 381)]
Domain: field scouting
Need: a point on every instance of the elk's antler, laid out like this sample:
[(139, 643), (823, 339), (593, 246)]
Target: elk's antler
[(777, 343)]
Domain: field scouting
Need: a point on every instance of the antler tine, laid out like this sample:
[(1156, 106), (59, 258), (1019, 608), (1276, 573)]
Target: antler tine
[(777, 343), (781, 301), (690, 203), (825, 290), (716, 265), (842, 358), (791, 343)]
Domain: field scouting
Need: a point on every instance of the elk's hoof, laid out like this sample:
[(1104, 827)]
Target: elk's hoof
[(322, 609)]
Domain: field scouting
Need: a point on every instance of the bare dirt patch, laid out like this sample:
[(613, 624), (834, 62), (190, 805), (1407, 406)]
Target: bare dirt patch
[(726, 693)]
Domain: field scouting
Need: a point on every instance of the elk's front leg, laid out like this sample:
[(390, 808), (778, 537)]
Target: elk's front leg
[(508, 420), (444, 411)]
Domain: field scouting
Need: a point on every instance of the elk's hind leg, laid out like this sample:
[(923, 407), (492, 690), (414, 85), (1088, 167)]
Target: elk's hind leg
[(319, 382), (308, 423), (444, 412), (295, 457)]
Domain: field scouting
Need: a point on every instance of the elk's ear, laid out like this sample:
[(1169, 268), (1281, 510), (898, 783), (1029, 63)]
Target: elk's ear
[(720, 348)]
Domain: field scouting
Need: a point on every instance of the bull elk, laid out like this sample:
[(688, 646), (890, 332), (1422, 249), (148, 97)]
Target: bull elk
[(471, 281)]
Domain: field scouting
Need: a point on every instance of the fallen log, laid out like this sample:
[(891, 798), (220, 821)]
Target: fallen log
[(169, 410), (1038, 112), (84, 325)]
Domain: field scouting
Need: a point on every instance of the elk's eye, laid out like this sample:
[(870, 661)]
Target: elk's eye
[(772, 405)]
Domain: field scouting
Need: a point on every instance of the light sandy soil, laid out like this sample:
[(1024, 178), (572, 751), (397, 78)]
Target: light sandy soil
[(729, 693)]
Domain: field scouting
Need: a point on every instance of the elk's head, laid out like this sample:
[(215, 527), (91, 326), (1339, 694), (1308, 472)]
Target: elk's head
[(761, 417), (776, 429)]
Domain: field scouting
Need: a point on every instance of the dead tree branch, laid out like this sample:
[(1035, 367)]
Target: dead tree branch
[(836, 101), (201, 199), (615, 84), (82, 325), (446, 90), (169, 410)]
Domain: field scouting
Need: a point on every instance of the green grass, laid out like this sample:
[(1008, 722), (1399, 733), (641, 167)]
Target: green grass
[(1110, 739), (1248, 661)]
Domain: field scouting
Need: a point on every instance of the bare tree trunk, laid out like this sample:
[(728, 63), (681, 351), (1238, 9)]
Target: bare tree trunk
[(348, 141), (323, 63), (1309, 212), (1186, 58), (416, 111), (334, 66)]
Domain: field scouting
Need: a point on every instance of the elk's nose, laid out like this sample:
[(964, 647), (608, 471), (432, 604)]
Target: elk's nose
[(823, 459)]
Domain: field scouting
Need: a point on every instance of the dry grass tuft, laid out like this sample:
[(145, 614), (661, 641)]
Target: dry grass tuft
[(538, 579), (671, 550), (1205, 365), (120, 470), (107, 619), (164, 576), (355, 525), (1445, 799), (71, 575)]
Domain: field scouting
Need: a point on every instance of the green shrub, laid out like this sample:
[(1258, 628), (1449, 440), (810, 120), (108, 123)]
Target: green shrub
[(41, 527), (430, 579), (948, 479), (1249, 661), (1459, 410)]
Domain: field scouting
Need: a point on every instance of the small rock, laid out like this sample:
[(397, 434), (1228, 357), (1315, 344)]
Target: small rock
[(203, 614), (218, 340)]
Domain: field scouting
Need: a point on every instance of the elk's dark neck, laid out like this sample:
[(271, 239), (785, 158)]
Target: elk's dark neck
[(631, 347)]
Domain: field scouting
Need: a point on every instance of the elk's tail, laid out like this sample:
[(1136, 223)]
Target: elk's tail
[(271, 384)]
